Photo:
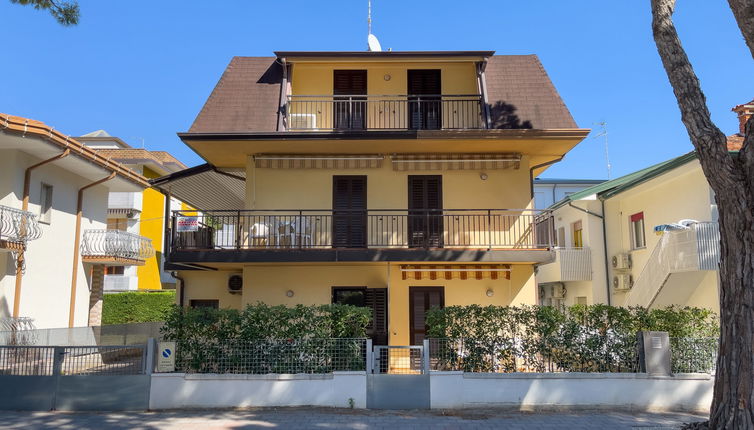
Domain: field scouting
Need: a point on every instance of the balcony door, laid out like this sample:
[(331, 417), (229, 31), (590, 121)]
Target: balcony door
[(425, 223), (349, 205), (349, 101), (422, 299), (424, 101)]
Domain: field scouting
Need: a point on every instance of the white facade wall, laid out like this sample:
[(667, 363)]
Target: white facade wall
[(46, 288), (180, 390)]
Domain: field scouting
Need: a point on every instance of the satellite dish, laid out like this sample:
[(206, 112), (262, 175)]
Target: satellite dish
[(374, 44)]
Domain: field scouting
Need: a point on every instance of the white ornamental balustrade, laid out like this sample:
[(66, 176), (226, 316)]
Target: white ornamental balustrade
[(115, 245), (18, 226)]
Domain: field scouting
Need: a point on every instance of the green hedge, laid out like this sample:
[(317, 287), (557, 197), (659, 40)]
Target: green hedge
[(136, 307)]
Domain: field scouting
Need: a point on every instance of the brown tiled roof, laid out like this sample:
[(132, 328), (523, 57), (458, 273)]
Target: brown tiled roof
[(735, 142), (245, 99), (247, 96), (132, 156)]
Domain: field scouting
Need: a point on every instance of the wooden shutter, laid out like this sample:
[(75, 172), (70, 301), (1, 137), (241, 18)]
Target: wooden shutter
[(349, 113), (376, 298), (424, 82), (421, 300), (425, 210), (349, 82), (349, 211)]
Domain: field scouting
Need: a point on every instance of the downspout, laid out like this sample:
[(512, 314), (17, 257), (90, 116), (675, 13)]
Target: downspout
[(25, 206), (77, 243), (604, 242), (531, 173), (181, 292)]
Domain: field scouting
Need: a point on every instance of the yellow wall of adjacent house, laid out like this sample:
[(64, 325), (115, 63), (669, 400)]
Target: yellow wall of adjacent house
[(151, 226)]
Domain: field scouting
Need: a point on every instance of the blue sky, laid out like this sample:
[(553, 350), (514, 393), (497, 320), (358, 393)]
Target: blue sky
[(142, 69)]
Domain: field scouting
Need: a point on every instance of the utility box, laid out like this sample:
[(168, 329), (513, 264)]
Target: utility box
[(654, 353)]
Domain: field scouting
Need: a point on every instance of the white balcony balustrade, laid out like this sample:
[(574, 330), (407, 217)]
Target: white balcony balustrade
[(17, 227), (571, 264), (115, 247)]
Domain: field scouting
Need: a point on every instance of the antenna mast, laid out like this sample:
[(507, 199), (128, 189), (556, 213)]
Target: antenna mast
[(609, 166), (369, 17)]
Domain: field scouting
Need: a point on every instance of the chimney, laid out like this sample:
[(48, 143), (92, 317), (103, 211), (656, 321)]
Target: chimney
[(744, 111)]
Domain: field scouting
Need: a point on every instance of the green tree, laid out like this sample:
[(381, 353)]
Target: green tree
[(65, 12), (731, 176)]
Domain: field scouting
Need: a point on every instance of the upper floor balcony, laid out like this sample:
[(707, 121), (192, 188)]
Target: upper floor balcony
[(571, 264), (115, 248), (384, 112), (511, 235), (16, 228)]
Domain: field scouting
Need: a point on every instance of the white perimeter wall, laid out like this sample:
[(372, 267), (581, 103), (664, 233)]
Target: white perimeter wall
[(684, 392), (180, 390)]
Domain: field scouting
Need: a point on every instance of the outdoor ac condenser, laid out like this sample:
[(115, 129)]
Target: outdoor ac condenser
[(623, 282), (622, 261), (235, 284)]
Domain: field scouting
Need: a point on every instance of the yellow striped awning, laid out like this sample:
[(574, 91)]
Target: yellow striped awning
[(318, 161), (479, 161), (463, 272)]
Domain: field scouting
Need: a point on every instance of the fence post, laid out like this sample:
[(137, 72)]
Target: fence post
[(654, 352), (149, 356), (57, 360), (425, 356), (369, 357)]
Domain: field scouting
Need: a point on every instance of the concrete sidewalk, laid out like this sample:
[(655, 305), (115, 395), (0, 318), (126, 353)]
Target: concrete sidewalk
[(320, 418)]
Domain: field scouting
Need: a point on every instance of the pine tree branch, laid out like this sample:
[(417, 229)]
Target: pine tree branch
[(743, 10)]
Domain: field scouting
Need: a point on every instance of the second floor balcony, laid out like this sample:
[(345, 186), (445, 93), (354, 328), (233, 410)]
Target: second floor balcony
[(17, 227), (363, 235), (571, 264), (384, 112), (115, 248)]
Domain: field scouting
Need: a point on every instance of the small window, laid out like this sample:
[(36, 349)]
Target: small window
[(636, 222), (561, 237), (45, 204), (114, 270), (581, 300), (204, 303), (354, 296), (576, 229), (117, 224)]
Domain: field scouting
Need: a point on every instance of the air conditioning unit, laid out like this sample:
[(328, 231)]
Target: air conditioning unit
[(622, 261), (302, 121), (623, 282), (557, 291), (235, 284)]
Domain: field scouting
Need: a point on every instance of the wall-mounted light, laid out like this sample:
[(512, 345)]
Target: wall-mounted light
[(387, 77), (289, 293), (490, 292), (483, 176)]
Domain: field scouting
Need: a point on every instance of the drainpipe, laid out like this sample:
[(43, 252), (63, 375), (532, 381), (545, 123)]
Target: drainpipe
[(531, 173), (25, 206), (604, 243), (77, 243), (181, 292)]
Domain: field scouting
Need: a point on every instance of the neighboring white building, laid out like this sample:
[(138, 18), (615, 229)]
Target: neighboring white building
[(547, 191), (51, 188)]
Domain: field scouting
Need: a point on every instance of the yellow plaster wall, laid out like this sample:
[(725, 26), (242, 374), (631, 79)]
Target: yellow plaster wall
[(151, 226), (207, 285)]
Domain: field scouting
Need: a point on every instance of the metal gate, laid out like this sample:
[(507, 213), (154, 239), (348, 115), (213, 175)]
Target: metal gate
[(398, 377), (75, 378)]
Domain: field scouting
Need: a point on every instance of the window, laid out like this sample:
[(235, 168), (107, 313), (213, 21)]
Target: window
[(349, 296), (114, 270), (578, 240), (581, 300), (561, 237), (205, 303), (636, 223), (45, 204), (117, 224), (373, 298)]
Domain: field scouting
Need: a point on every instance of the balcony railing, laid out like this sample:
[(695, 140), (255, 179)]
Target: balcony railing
[(380, 228), (571, 264), (17, 226), (384, 112), (115, 246)]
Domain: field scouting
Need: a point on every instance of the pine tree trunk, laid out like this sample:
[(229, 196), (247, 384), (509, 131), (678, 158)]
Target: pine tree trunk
[(731, 176)]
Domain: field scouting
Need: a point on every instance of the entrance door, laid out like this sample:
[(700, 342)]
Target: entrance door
[(424, 99), (349, 109), (349, 204), (373, 298), (425, 224), (421, 299)]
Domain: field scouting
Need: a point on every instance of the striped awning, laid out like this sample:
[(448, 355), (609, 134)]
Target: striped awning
[(455, 271), (318, 161), (480, 161)]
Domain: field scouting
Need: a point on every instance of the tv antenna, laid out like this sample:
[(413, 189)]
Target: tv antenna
[(373, 45), (603, 133)]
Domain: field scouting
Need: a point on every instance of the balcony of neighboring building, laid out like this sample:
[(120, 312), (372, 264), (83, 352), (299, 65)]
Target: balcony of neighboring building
[(115, 248), (470, 235), (571, 264), (17, 227), (128, 204)]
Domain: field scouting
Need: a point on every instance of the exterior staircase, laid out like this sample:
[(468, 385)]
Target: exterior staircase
[(694, 250)]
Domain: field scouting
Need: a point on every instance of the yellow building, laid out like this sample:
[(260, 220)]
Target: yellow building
[(394, 180), (141, 213)]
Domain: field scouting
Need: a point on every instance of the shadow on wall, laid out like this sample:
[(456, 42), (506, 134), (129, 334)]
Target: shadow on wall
[(503, 116)]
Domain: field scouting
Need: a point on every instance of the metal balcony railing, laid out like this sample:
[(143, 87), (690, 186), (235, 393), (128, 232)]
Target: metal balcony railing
[(384, 112), (18, 226), (116, 244), (374, 228)]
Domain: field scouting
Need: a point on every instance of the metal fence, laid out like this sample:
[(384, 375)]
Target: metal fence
[(287, 356), (58, 360), (693, 355), (509, 355), (115, 334), (373, 228), (116, 243), (400, 360), (18, 226)]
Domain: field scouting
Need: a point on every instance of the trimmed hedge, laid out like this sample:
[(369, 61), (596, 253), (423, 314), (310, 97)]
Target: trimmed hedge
[(137, 307)]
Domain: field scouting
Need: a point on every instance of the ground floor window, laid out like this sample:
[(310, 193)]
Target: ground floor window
[(374, 298), (204, 303), (114, 270)]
